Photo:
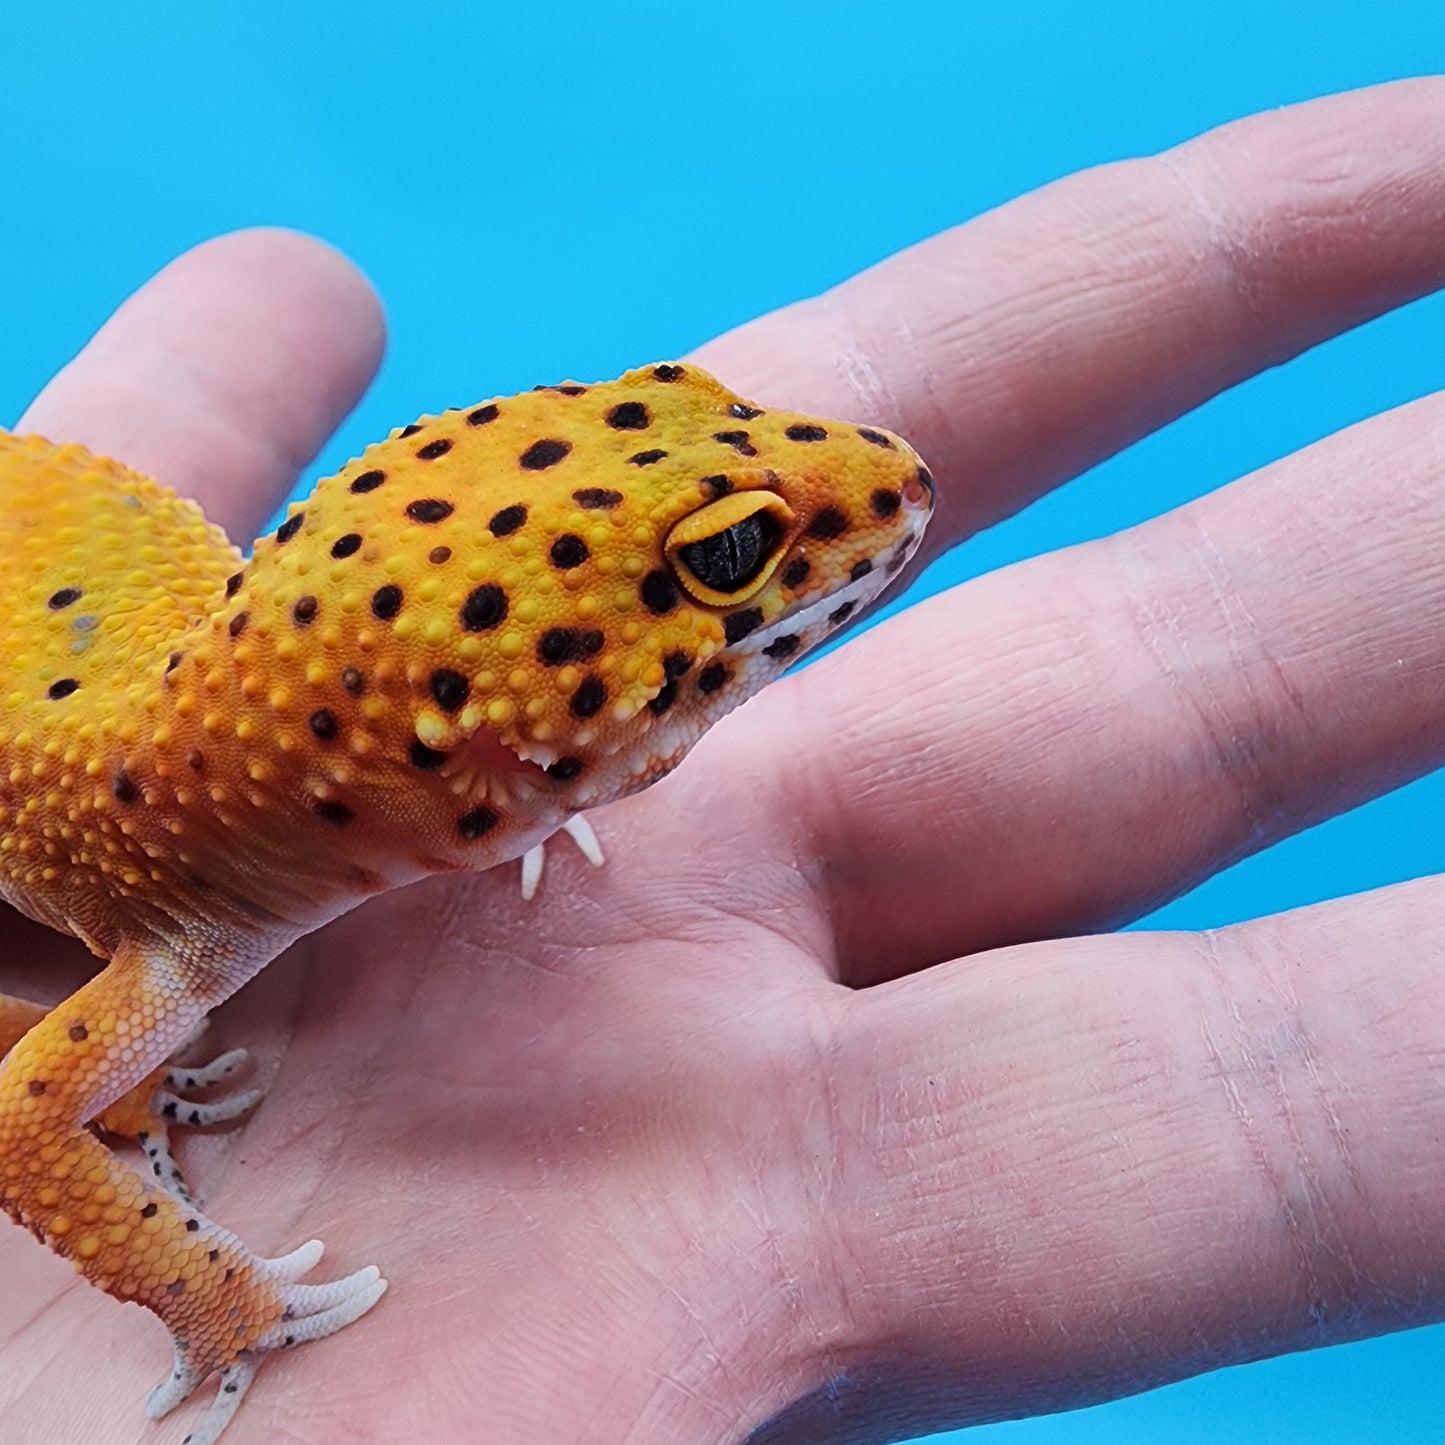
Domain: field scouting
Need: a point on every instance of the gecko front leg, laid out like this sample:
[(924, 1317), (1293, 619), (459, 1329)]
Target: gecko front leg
[(146, 1113), (224, 1305)]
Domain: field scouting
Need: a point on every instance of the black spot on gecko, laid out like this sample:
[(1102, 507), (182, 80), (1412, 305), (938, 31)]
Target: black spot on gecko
[(386, 602), (290, 527), (884, 503), (876, 437), (738, 440), (353, 681), (432, 450), (124, 788), (781, 647), (303, 611), (668, 372), (438, 555), (368, 481), (738, 624), (861, 568), (173, 662), (596, 499), (796, 572), (561, 644), (484, 608), (449, 688), (566, 388), (429, 510), (483, 414), (412, 430), (62, 688), (664, 699), (715, 487), (330, 811), (841, 614), (588, 699), (347, 545), (323, 724), (425, 758), (659, 593), (743, 411), (66, 597), (237, 624), (646, 459), (78, 1033), (477, 824), (828, 523), (712, 677), (545, 453), (676, 665), (629, 416), (806, 432), (507, 521), (233, 583), (569, 551), (565, 769)]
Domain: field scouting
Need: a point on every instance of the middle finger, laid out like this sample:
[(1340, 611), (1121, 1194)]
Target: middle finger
[(1061, 745)]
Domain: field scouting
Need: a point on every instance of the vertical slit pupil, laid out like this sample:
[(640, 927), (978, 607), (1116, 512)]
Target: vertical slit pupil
[(733, 557)]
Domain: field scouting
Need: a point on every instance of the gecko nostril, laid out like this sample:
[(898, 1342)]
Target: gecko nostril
[(918, 491)]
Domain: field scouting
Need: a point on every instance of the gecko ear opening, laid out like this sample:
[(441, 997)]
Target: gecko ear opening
[(724, 552)]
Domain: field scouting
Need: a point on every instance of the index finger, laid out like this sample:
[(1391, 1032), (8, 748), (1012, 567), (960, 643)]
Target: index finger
[(1021, 348), (224, 374)]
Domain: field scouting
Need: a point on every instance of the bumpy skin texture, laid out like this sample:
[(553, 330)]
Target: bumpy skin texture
[(495, 618)]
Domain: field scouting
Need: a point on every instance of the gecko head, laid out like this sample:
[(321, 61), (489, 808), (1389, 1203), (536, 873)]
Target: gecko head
[(680, 549), (548, 598)]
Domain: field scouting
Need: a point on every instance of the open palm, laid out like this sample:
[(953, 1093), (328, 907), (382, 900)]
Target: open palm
[(642, 1160)]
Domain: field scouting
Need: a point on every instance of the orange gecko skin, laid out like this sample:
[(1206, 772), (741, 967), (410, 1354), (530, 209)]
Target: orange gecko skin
[(494, 619)]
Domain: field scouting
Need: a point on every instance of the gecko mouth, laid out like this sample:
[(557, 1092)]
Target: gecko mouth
[(485, 749)]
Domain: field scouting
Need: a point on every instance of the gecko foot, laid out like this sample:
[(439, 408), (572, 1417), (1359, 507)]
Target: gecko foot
[(580, 831), (311, 1312), (147, 1113)]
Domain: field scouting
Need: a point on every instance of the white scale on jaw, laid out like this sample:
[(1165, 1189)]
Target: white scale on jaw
[(798, 623)]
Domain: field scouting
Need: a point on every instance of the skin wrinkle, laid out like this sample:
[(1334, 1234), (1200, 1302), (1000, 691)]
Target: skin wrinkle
[(1197, 692), (1283, 1157), (1322, 1090)]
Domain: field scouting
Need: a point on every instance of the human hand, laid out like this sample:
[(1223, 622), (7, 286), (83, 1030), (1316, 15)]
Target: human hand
[(641, 1160)]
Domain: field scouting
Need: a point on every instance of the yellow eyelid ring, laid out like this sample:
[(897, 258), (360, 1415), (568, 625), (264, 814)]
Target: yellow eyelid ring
[(725, 552)]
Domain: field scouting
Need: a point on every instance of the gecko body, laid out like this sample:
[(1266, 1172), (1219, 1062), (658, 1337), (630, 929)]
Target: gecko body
[(500, 616)]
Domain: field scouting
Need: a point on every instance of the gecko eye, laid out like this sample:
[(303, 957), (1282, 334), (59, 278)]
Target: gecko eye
[(724, 552), (733, 557)]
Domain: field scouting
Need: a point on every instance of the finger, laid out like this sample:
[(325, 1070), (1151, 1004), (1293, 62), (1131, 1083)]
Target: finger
[(1060, 746), (224, 374), (1096, 1166), (1021, 348)]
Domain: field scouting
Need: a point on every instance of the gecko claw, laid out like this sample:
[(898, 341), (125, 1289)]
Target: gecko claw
[(580, 831), (312, 1311)]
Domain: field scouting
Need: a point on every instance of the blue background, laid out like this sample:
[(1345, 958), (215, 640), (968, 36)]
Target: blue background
[(542, 190)]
